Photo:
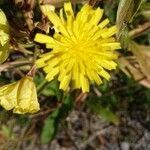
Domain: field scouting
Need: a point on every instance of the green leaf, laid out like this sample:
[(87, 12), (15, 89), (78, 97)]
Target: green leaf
[(108, 115), (47, 88), (51, 88), (104, 87), (123, 37), (110, 11), (6, 130), (104, 113), (50, 127), (67, 104), (52, 122)]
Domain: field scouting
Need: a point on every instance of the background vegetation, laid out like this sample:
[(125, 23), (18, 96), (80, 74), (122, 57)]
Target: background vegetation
[(114, 115)]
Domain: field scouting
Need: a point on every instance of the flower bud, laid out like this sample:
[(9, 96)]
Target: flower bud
[(4, 37), (20, 96)]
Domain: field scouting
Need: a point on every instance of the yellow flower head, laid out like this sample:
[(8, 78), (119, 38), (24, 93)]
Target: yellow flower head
[(82, 49), (20, 96), (4, 37)]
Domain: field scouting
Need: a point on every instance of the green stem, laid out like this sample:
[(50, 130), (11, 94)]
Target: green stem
[(41, 86)]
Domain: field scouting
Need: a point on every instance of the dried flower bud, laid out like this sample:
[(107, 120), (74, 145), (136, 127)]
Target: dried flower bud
[(20, 96), (27, 5), (4, 37)]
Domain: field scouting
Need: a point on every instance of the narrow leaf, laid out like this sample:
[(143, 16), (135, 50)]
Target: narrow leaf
[(52, 122), (50, 127)]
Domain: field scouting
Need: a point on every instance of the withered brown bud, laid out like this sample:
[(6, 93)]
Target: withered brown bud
[(27, 5)]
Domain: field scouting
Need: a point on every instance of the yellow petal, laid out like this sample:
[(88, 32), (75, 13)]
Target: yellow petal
[(42, 61), (68, 10), (104, 74), (50, 76), (107, 64), (75, 76), (84, 83), (112, 46), (41, 38), (51, 64), (97, 16), (98, 34), (65, 82), (103, 23), (62, 16), (57, 22), (81, 19), (111, 31), (47, 8)]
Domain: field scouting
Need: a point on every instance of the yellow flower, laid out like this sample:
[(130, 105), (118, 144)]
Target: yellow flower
[(4, 37), (20, 96), (82, 49)]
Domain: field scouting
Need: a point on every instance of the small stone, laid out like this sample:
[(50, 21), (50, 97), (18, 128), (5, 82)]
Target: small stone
[(125, 146)]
